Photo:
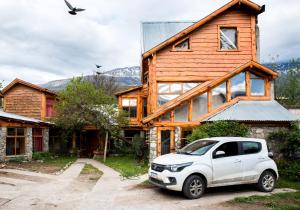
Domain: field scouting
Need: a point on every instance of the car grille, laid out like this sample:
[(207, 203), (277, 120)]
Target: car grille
[(157, 167), (157, 181)]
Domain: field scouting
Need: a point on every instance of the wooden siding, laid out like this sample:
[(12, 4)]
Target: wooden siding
[(205, 61), (25, 101)]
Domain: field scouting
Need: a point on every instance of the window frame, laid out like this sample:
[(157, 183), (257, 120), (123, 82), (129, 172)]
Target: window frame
[(136, 107), (174, 49), (237, 37), (15, 137), (258, 77)]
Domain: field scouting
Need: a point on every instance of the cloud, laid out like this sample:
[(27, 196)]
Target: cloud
[(40, 41)]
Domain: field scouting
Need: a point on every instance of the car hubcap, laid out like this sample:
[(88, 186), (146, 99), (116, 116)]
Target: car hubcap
[(268, 182), (196, 187)]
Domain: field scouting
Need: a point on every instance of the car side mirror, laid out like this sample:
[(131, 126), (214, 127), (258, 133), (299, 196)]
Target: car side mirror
[(270, 154), (219, 154)]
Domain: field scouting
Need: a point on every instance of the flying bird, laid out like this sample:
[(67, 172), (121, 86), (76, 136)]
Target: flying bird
[(74, 10), (98, 66)]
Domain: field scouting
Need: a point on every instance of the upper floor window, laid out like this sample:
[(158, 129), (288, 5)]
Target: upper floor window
[(228, 38), (257, 85), (49, 107), (183, 45), (130, 106)]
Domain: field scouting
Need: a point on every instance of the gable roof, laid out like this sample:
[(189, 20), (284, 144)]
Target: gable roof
[(247, 3), (204, 87), (28, 84), (270, 111), (154, 33), (128, 90)]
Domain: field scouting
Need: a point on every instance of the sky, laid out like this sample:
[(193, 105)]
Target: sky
[(40, 41)]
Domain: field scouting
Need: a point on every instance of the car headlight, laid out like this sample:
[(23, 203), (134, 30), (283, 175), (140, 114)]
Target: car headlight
[(177, 167)]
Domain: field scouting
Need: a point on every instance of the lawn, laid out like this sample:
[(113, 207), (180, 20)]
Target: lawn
[(126, 165), (44, 163), (280, 201), (90, 173)]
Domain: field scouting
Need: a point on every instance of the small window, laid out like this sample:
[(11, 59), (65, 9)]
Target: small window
[(250, 147), (184, 45), (230, 149), (228, 38), (129, 106), (257, 85)]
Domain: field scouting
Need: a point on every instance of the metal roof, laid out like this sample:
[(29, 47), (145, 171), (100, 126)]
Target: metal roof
[(270, 111), (20, 118), (154, 33)]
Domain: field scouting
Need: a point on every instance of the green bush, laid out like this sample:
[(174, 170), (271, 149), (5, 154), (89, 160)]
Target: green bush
[(17, 159), (139, 147), (289, 169), (218, 128), (40, 155)]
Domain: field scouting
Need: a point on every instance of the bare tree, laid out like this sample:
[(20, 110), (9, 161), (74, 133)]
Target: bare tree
[(109, 84)]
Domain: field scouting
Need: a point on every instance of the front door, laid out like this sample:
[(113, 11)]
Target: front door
[(165, 142)]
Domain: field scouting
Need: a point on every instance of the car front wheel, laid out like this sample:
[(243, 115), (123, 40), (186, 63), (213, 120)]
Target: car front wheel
[(193, 187), (266, 182)]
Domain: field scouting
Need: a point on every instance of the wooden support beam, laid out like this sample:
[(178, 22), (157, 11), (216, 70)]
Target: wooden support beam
[(248, 88), (190, 111), (228, 90), (267, 88), (209, 101)]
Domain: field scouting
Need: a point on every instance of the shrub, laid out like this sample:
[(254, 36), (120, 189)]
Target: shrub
[(289, 169), (40, 155), (17, 159), (139, 147), (218, 128)]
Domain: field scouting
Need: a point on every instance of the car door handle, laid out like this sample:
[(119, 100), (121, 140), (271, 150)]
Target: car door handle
[(237, 161), (261, 158)]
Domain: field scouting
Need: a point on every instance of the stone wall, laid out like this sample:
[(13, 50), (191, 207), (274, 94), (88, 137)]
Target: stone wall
[(3, 132), (46, 139), (152, 143), (177, 138), (28, 143)]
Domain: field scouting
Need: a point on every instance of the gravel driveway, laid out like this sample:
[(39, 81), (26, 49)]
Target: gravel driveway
[(28, 190)]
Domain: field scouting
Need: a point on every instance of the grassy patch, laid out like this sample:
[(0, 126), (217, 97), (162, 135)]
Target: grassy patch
[(126, 165), (90, 173), (44, 163), (285, 183)]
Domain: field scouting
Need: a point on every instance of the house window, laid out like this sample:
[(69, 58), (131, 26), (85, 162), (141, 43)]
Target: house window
[(228, 38), (184, 45), (238, 85), (181, 113), (169, 91), (199, 106), (219, 95), (15, 141), (145, 107), (257, 85), (37, 139), (130, 107), (49, 107)]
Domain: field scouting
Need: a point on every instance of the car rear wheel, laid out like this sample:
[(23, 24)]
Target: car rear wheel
[(193, 187), (266, 182)]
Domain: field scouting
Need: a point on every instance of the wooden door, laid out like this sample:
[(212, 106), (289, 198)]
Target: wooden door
[(165, 141)]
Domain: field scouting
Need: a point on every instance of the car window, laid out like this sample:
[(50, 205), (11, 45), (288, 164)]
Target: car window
[(250, 147), (199, 147), (230, 149)]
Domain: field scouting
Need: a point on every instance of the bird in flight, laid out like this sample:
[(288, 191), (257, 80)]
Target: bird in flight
[(74, 10), (98, 66)]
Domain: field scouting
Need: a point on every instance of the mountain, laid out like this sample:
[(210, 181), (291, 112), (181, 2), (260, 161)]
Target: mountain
[(126, 77), (284, 67)]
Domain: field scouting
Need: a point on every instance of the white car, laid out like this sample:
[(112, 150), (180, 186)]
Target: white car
[(215, 162)]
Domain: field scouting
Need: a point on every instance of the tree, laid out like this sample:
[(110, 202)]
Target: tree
[(108, 84), (81, 103)]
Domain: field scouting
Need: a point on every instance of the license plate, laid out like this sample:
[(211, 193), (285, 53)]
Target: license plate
[(153, 175)]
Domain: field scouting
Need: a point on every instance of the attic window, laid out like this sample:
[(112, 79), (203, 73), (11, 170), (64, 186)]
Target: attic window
[(184, 45), (228, 38)]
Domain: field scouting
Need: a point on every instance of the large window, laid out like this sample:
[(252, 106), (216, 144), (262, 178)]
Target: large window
[(129, 106), (219, 95), (169, 91), (199, 106), (228, 38), (37, 139), (15, 141), (257, 85), (181, 113), (238, 85)]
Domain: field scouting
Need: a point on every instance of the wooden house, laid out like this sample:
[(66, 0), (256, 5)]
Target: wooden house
[(197, 72), (23, 121)]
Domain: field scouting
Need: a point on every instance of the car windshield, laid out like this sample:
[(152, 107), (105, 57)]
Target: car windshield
[(199, 147)]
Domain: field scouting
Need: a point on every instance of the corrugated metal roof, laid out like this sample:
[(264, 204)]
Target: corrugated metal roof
[(154, 33), (270, 111), (20, 118)]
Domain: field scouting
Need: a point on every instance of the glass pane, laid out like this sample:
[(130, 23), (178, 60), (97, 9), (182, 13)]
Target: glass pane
[(132, 112), (10, 146), (219, 95), (238, 85), (162, 99), (133, 102), (166, 117), (176, 88), (125, 102), (183, 45), (165, 142), (20, 146), (20, 131), (188, 86), (163, 88), (181, 114), (253, 76), (251, 147), (228, 38), (199, 106), (11, 131), (257, 87)]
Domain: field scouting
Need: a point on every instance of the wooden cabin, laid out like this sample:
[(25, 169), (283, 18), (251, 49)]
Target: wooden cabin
[(196, 72)]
